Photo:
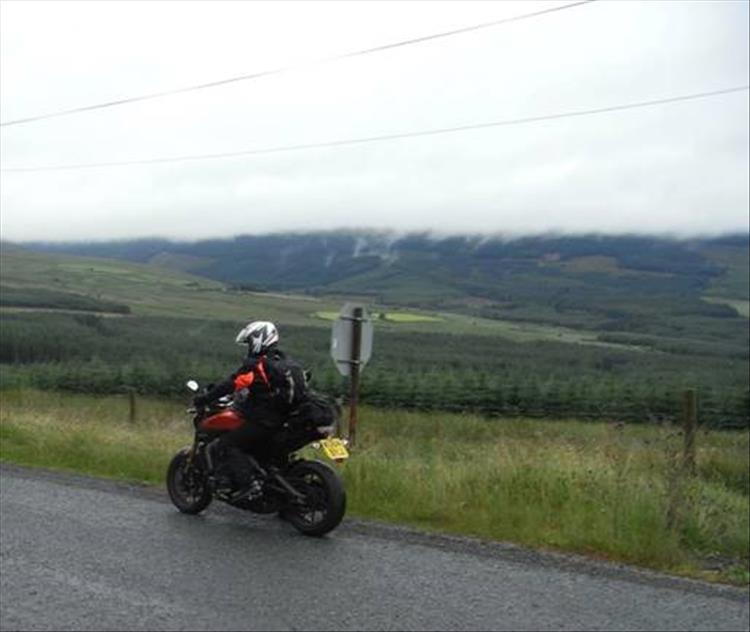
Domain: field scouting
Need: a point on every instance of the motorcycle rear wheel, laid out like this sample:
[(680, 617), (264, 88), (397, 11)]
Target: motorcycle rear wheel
[(325, 498), (187, 484)]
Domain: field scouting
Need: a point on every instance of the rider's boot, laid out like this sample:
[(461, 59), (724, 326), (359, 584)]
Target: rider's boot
[(245, 474)]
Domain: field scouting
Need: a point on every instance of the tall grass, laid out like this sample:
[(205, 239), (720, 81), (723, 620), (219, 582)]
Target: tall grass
[(90, 434), (610, 490), (595, 488)]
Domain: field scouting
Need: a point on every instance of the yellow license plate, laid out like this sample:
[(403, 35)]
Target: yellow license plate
[(334, 449)]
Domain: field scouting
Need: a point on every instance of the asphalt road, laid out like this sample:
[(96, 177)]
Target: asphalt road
[(84, 554)]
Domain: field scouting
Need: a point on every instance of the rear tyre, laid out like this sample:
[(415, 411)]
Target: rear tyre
[(187, 484), (325, 498)]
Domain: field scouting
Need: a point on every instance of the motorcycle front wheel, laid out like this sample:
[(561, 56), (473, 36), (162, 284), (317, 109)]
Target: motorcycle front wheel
[(324, 501), (187, 484)]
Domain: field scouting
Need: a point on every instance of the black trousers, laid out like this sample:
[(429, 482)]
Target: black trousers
[(249, 434), (235, 445)]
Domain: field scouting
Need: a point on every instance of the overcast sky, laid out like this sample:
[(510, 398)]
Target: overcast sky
[(679, 168)]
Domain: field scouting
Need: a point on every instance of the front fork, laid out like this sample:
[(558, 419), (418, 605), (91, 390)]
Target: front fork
[(197, 450), (193, 452)]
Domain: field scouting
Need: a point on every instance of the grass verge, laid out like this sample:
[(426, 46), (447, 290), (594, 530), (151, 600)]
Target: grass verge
[(611, 491)]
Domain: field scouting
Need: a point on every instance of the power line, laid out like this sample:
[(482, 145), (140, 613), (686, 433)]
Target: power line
[(371, 139), (276, 71)]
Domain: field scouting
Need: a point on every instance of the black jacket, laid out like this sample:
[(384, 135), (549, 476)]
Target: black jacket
[(257, 387)]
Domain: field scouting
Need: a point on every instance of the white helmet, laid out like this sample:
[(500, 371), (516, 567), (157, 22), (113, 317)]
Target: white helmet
[(259, 336)]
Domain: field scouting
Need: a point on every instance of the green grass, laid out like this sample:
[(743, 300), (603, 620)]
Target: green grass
[(90, 435), (591, 488), (594, 488)]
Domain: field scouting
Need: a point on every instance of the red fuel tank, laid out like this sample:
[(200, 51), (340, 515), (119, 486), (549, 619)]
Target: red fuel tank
[(224, 421)]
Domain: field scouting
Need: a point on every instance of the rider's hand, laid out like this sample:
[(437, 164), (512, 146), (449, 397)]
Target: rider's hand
[(200, 401)]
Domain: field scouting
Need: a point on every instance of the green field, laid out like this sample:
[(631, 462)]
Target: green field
[(149, 290), (393, 317), (613, 491), (104, 326), (406, 317)]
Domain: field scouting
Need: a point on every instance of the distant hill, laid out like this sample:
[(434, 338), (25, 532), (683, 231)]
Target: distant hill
[(624, 286)]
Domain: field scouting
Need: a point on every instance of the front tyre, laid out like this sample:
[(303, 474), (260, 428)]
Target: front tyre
[(324, 501), (187, 484)]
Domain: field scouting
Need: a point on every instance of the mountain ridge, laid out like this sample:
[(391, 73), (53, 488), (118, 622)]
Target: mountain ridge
[(539, 278)]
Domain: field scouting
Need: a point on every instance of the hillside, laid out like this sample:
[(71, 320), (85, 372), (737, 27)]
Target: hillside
[(383, 263), (90, 324), (630, 289)]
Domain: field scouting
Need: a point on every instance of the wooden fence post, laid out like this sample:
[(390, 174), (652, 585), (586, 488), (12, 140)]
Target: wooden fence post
[(690, 425), (132, 411)]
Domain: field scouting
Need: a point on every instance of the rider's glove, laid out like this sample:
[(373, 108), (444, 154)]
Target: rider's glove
[(199, 401)]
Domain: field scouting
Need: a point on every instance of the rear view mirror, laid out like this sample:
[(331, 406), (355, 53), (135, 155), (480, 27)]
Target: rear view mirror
[(192, 385)]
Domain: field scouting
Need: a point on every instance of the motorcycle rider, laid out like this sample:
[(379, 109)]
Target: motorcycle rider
[(261, 388)]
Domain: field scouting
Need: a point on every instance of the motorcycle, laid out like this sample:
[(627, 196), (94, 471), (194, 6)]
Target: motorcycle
[(309, 494)]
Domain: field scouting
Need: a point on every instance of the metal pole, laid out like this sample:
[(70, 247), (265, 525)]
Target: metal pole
[(354, 373)]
